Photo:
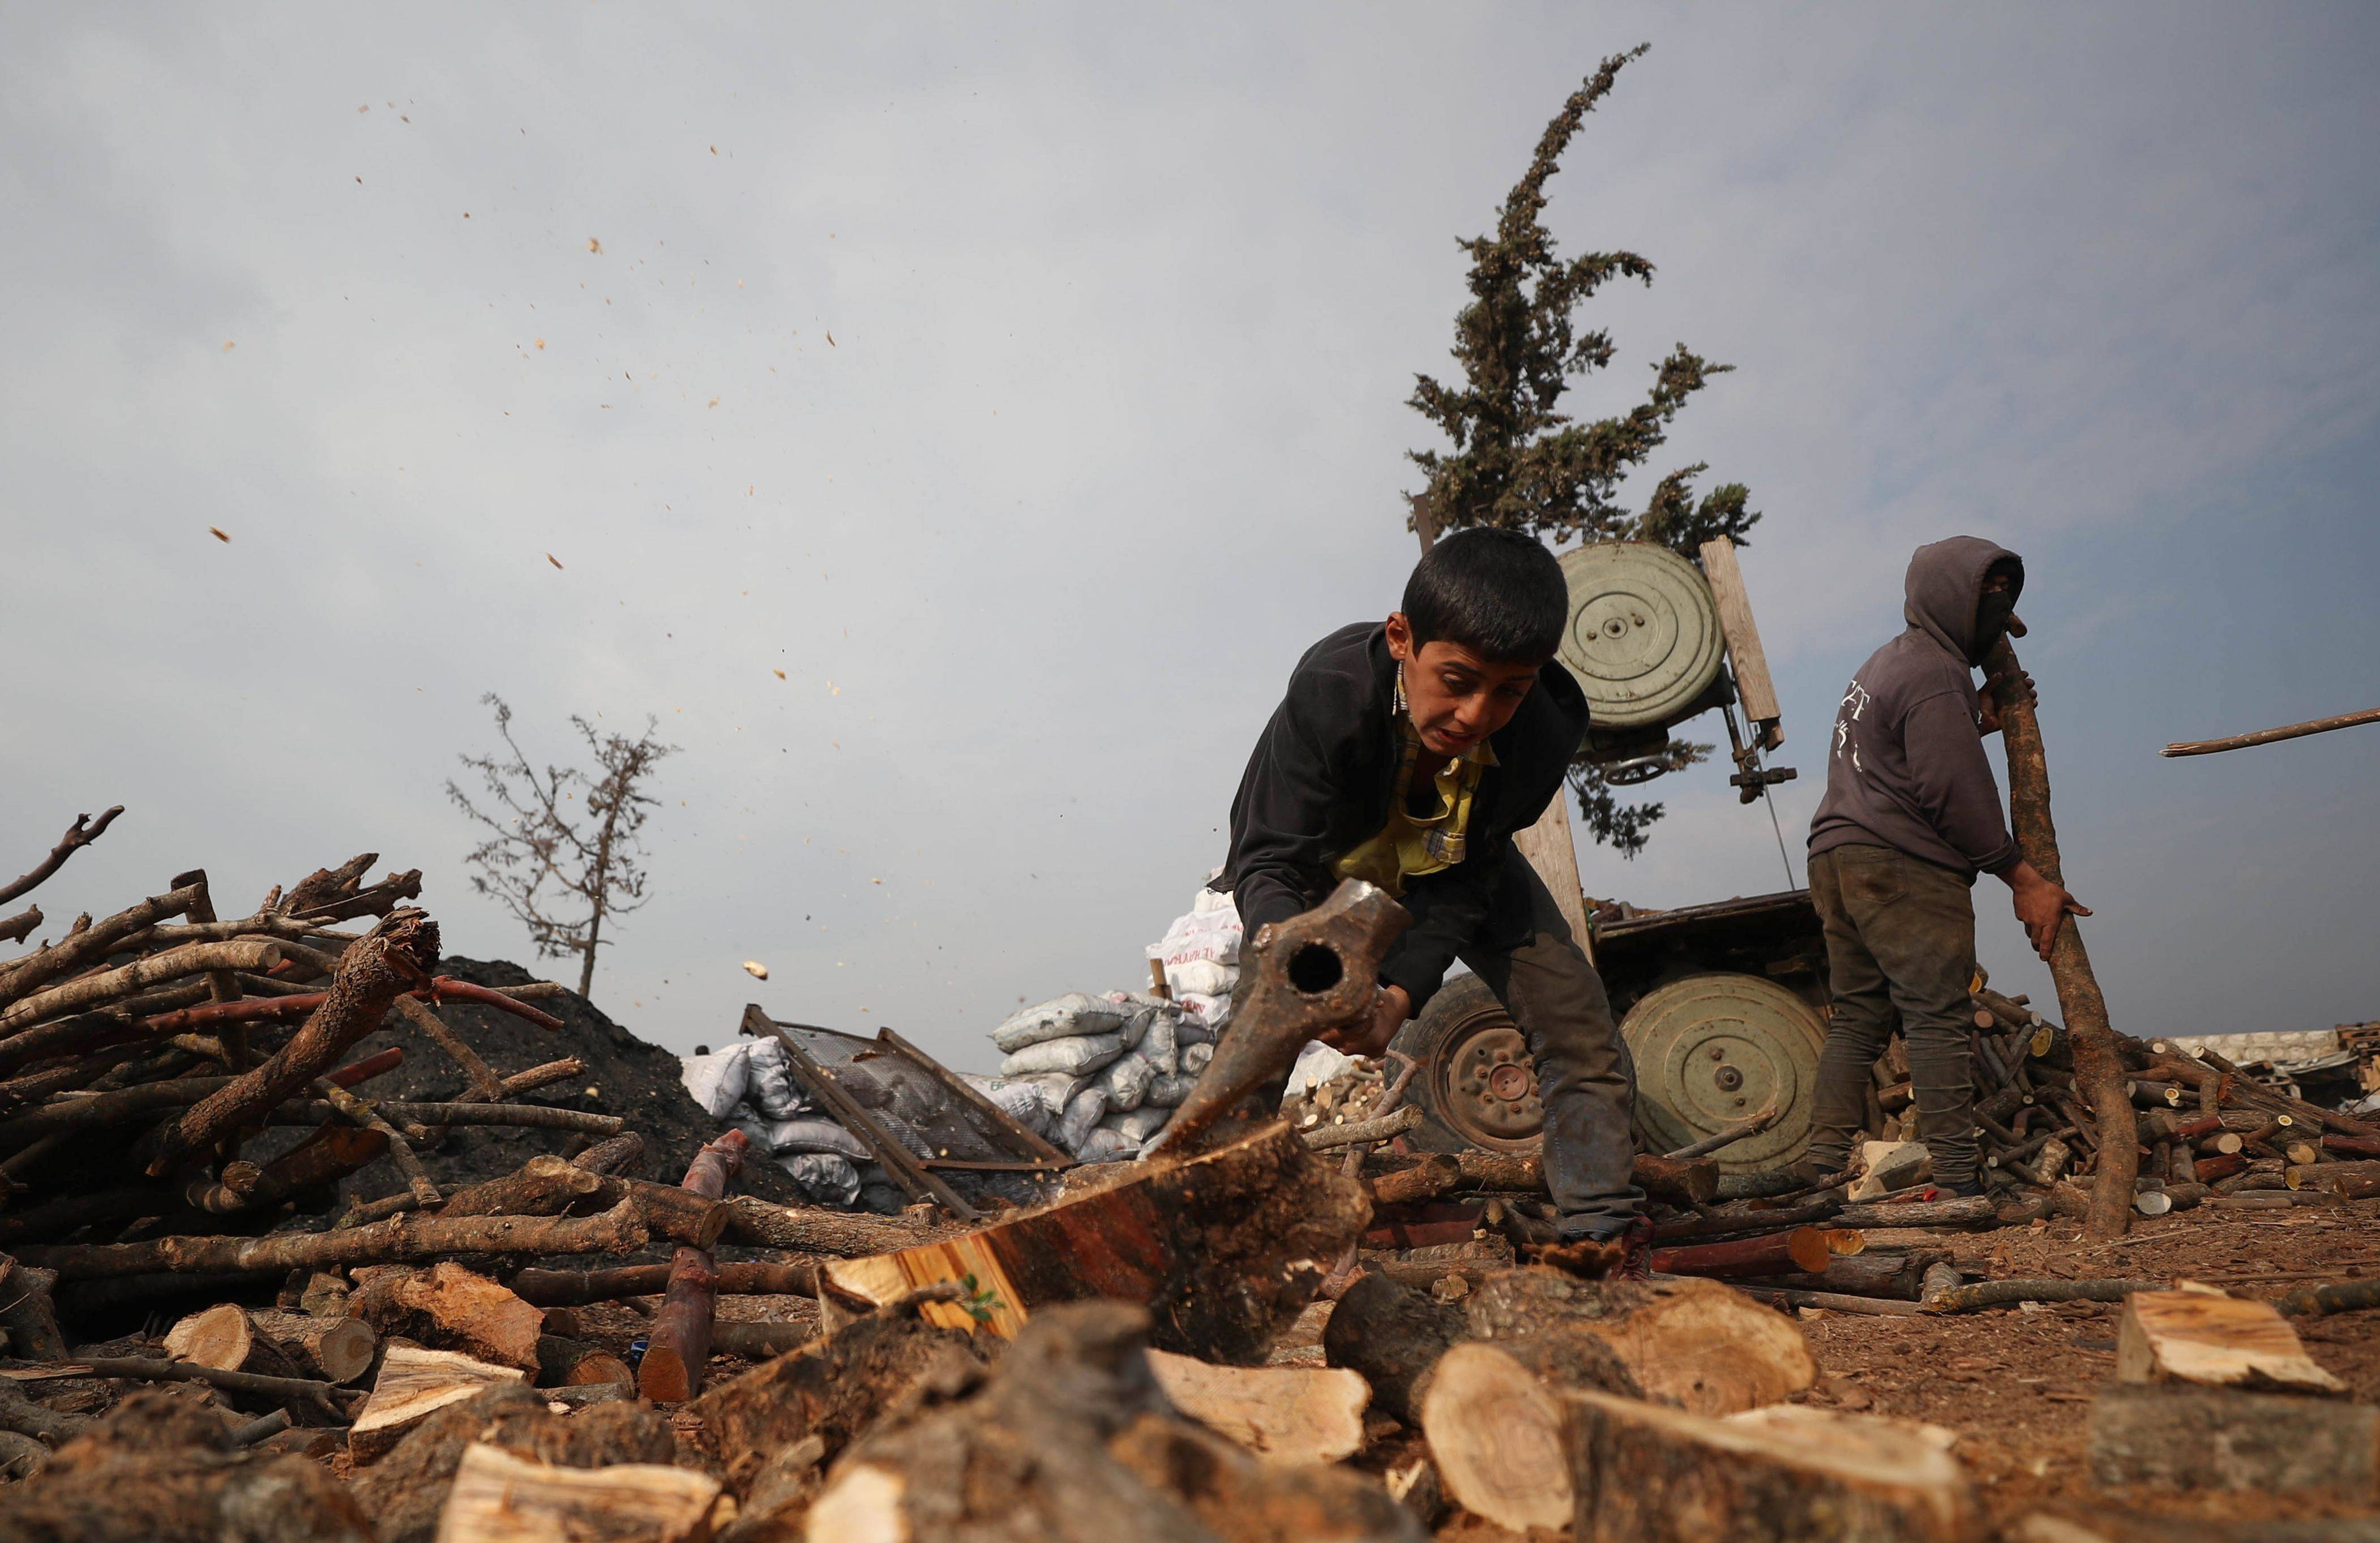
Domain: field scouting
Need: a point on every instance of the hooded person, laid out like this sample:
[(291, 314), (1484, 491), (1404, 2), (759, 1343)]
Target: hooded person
[(1910, 815)]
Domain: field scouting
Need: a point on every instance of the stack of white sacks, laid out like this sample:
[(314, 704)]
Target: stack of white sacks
[(751, 1086), (1109, 1070)]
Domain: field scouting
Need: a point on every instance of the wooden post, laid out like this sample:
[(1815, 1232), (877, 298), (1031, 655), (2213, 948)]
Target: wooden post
[(1750, 660), (2097, 1068)]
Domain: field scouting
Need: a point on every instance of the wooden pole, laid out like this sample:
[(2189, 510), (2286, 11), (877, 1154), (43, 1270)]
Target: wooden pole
[(679, 1345), (2269, 737), (2098, 1069)]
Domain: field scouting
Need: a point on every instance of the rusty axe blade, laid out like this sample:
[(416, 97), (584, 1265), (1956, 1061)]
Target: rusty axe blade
[(1314, 972)]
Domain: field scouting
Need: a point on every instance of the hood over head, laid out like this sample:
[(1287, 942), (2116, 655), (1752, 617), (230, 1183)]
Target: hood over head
[(1945, 581)]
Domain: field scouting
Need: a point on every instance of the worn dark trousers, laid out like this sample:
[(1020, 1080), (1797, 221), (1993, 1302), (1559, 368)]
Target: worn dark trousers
[(1901, 951), (1525, 952)]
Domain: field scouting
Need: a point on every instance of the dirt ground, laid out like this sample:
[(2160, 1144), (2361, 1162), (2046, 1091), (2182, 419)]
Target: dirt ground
[(2016, 1385)]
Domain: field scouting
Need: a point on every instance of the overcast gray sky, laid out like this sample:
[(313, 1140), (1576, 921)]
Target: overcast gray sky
[(1027, 384)]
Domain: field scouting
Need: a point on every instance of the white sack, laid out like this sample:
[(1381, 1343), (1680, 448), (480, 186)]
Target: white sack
[(718, 1081), (1076, 1053), (1168, 1092), (1081, 1114), (1126, 1083), (1057, 1019), (1195, 1058), (1107, 1146), (1201, 978), (1138, 1125), (824, 1178)]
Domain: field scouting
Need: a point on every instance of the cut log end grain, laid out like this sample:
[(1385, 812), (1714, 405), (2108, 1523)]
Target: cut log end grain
[(1282, 1413), (1493, 1414), (499, 1497), (1391, 1335)]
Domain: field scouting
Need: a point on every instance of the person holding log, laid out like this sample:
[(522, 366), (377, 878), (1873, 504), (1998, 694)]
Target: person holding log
[(1910, 815), (1408, 753)]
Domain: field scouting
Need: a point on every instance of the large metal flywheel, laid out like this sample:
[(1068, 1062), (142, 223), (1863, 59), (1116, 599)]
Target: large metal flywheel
[(1713, 1050), (1644, 637)]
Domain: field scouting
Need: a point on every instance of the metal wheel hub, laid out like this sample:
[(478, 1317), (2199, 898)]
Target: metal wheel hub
[(1487, 1087), (1715, 1048), (1644, 638)]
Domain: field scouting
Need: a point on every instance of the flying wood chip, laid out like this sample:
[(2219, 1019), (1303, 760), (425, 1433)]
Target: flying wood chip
[(553, 559), (217, 533), (757, 970)]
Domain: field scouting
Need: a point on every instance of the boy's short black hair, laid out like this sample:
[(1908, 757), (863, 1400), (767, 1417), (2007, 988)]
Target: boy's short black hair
[(1498, 593)]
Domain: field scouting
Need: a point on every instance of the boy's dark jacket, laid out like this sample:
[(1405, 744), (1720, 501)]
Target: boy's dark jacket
[(1319, 781)]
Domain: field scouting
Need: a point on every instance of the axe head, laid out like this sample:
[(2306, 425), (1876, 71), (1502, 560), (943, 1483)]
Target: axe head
[(1314, 972)]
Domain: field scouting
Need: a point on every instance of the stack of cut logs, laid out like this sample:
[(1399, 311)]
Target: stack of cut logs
[(2206, 1133)]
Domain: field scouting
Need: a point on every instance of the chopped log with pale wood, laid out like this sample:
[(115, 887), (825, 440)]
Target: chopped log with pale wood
[(406, 1491), (566, 1363), (679, 1340), (1224, 1247), (1282, 1413), (2181, 1438), (449, 1308), (1643, 1474), (498, 1498), (1694, 1343), (336, 1349), (2215, 1341), (414, 1384)]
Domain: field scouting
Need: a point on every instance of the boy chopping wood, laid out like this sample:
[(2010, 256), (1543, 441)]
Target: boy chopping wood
[(1911, 816), (1408, 753)]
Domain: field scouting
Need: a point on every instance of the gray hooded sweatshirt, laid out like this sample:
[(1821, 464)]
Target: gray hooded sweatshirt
[(1906, 766)]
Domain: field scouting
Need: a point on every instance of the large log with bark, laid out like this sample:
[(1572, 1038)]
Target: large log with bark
[(569, 1288), (407, 1239), (1643, 1474), (161, 1469), (679, 1340), (1694, 1343), (1072, 1438), (449, 1308), (2098, 1067), (803, 1230), (833, 1390), (2181, 1438), (1391, 1335), (395, 955), (1225, 1248)]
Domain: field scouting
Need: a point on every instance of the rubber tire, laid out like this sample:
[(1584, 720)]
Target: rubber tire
[(1457, 1006)]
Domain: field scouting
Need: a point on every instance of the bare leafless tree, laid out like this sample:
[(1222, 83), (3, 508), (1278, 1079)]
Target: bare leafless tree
[(547, 857)]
